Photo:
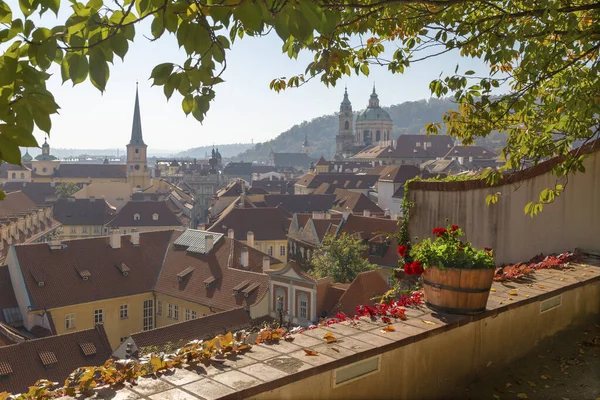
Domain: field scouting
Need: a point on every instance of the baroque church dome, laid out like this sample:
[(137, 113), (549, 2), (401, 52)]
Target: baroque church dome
[(373, 112)]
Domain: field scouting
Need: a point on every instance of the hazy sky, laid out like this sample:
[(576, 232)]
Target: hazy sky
[(244, 109)]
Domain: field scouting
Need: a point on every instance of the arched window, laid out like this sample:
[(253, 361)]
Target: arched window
[(377, 136), (22, 175), (136, 217), (14, 175), (44, 169), (155, 217), (347, 125), (303, 305), (280, 296)]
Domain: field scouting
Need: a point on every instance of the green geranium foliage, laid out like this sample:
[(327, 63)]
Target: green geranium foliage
[(542, 54), (447, 250)]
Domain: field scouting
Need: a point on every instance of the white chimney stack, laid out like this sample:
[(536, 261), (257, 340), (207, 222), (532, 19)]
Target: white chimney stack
[(266, 263), (386, 212), (115, 238), (135, 237), (230, 233), (366, 213), (209, 243), (250, 239), (245, 258), (346, 213)]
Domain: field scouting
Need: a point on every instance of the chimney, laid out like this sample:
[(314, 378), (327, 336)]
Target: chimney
[(135, 237), (346, 213), (52, 184), (245, 258), (209, 243), (92, 199), (115, 238), (386, 212), (366, 213), (266, 263), (250, 239), (230, 233)]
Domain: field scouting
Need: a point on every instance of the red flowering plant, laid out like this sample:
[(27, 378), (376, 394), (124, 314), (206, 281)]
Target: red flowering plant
[(447, 250)]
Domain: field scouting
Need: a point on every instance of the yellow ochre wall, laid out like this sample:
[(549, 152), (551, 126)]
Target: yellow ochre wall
[(115, 327), (163, 320), (263, 245)]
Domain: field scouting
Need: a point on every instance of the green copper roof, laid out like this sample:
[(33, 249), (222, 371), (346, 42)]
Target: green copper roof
[(374, 114), (26, 157)]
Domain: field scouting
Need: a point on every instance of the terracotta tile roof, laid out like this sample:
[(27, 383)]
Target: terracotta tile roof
[(300, 203), (401, 174), (375, 151), (368, 227), (266, 223), (353, 201), (411, 146), (275, 186), (83, 171), (38, 192), (7, 295), (325, 188), (360, 292), (146, 211), (381, 170), (203, 328), (63, 284), (222, 263), (16, 202), (332, 297), (338, 180), (322, 227), (73, 211), (24, 362), (471, 151), (238, 169)]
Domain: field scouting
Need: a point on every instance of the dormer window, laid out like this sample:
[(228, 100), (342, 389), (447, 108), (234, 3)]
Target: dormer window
[(136, 217), (155, 217)]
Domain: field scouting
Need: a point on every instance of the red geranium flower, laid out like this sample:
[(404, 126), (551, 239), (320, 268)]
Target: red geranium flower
[(459, 248), (402, 250), (408, 269), (417, 268), (454, 228), (439, 232)]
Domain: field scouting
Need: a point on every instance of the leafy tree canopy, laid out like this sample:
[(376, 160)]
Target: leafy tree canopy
[(543, 54), (341, 257), (66, 189)]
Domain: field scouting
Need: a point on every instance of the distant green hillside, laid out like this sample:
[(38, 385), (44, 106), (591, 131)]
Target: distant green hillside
[(226, 150), (409, 118)]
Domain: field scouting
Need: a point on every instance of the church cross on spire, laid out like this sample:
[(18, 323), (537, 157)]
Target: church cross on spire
[(136, 129)]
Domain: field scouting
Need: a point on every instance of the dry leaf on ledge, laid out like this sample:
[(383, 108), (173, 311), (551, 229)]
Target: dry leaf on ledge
[(388, 328), (310, 352), (428, 322), (513, 293)]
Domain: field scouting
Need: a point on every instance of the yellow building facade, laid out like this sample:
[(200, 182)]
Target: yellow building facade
[(171, 310), (120, 316)]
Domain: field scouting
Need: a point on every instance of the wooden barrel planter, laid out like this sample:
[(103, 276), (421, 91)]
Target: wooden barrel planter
[(457, 291)]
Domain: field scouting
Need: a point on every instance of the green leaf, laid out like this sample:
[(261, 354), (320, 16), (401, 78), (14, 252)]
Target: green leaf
[(99, 71), (8, 69), (46, 53), (9, 150), (201, 106), (78, 68), (5, 13), (161, 73), (158, 26), (172, 83), (187, 104), (364, 68), (26, 7), (470, 72), (119, 45), (42, 120)]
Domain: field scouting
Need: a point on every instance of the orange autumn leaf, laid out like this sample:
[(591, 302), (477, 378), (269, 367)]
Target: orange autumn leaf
[(309, 352), (329, 337), (513, 293), (428, 322), (389, 328)]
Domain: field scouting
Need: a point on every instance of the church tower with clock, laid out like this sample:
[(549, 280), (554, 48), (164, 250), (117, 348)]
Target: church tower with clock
[(138, 173)]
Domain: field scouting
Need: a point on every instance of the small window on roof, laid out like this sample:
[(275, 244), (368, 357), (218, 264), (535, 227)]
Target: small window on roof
[(136, 217), (5, 369), (48, 359), (155, 216)]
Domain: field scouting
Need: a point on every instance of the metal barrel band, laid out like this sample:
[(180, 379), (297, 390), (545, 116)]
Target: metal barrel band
[(454, 289), (451, 310)]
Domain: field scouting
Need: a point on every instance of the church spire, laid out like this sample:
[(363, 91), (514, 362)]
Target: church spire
[(136, 130), (346, 105), (374, 100)]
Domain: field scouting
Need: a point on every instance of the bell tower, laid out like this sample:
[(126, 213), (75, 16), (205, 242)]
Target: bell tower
[(345, 136), (138, 174)]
